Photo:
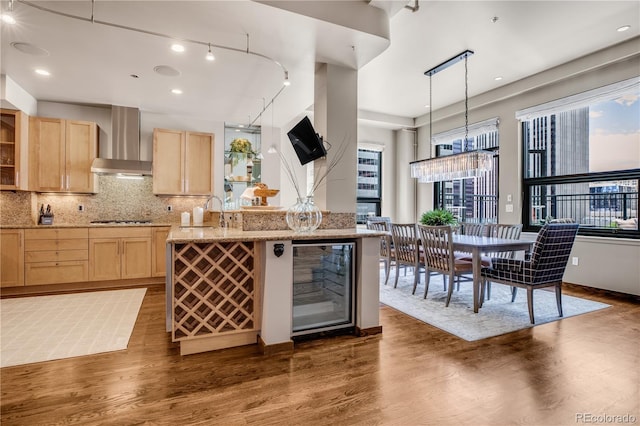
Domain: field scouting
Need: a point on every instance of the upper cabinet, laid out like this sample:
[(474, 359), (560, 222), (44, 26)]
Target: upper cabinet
[(61, 153), (14, 131), (182, 162)]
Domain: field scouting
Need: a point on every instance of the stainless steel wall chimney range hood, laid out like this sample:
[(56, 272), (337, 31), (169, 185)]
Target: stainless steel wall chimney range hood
[(122, 156)]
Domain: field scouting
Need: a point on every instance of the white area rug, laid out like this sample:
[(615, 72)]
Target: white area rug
[(497, 316), (44, 328)]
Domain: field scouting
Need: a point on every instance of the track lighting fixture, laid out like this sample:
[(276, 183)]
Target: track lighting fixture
[(286, 79), (209, 56)]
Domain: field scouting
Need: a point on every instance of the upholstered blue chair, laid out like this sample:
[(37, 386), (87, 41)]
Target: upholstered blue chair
[(543, 268)]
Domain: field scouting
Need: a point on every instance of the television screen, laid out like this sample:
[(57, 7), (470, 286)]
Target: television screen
[(306, 142)]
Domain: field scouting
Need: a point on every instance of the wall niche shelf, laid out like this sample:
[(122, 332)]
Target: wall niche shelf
[(241, 170)]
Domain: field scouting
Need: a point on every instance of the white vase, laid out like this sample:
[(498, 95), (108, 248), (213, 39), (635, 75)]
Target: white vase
[(304, 216)]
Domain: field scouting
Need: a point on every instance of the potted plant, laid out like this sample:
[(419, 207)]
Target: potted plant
[(438, 217), (240, 146)]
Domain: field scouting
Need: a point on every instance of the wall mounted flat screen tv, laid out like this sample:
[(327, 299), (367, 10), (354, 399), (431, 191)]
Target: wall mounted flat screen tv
[(306, 142)]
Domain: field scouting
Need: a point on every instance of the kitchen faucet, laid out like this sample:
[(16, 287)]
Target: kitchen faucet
[(223, 224)]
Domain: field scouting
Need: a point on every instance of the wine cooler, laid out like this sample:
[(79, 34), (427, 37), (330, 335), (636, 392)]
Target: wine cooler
[(323, 286)]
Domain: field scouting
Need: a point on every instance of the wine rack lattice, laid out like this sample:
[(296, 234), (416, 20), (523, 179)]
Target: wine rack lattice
[(214, 289)]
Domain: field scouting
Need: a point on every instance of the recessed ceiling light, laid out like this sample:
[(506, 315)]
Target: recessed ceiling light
[(29, 48), (498, 78), (427, 106), (166, 70), (8, 19), (624, 28), (177, 47), (42, 72), (176, 91)]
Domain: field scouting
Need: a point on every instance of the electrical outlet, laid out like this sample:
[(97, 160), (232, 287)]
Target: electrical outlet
[(575, 261), (80, 208), (169, 208), (508, 208)]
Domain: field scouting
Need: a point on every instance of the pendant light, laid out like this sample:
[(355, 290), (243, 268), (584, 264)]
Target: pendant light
[(457, 166)]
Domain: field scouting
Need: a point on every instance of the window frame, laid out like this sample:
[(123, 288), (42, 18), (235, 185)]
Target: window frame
[(371, 200)]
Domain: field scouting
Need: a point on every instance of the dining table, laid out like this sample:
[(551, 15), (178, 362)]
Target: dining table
[(479, 245)]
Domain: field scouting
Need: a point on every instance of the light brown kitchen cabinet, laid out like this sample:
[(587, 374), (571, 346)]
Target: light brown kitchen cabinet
[(158, 251), (11, 257), (57, 255), (61, 153), (14, 143), (119, 253), (182, 162)]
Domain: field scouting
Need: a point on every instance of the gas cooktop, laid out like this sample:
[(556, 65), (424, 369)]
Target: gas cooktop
[(121, 221)]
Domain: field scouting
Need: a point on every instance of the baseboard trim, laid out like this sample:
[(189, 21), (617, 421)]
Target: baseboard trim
[(275, 349), (369, 331), (46, 289)]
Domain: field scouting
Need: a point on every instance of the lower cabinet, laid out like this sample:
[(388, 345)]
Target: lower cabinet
[(119, 253), (11, 257), (54, 256), (158, 251)]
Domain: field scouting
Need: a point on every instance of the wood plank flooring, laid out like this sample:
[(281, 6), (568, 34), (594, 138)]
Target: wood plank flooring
[(412, 374)]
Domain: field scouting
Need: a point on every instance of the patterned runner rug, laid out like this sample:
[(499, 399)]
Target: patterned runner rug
[(497, 316), (44, 328)]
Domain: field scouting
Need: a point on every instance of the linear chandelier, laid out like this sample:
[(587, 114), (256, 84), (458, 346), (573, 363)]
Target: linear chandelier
[(458, 166)]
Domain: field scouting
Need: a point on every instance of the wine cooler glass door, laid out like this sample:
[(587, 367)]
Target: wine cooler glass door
[(323, 287)]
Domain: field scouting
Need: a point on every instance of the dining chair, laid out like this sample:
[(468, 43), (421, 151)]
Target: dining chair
[(387, 254), (544, 268), (475, 229), (500, 230), (406, 249), (438, 255)]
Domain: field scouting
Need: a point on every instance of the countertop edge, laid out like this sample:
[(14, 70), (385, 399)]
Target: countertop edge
[(211, 235)]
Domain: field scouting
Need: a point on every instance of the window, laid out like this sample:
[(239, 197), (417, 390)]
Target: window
[(582, 160), (369, 192), (470, 200)]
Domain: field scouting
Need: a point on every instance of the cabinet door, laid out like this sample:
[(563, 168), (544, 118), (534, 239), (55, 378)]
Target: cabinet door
[(14, 131), (136, 257), (158, 252), (11, 258), (46, 142), (80, 151), (198, 163), (104, 259), (168, 161)]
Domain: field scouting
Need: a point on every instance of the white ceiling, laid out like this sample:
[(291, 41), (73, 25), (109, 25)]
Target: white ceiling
[(91, 63)]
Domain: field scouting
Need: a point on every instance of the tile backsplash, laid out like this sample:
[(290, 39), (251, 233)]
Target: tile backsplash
[(117, 199)]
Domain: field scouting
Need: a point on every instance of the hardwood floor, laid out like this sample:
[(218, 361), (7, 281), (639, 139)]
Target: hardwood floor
[(412, 374)]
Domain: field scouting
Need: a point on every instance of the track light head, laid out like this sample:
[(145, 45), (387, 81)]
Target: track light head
[(209, 56), (286, 82)]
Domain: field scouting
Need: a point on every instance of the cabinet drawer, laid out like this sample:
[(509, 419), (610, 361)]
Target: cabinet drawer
[(56, 272), (120, 232), (56, 233), (56, 256), (56, 245)]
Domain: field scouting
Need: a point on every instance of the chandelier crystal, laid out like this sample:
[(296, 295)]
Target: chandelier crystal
[(458, 166)]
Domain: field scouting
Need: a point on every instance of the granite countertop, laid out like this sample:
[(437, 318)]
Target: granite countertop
[(209, 234), (85, 225)]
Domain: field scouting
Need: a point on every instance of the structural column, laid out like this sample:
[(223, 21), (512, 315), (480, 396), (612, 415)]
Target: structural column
[(336, 119)]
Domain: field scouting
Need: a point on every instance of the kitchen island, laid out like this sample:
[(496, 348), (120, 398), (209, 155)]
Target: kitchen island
[(229, 287)]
